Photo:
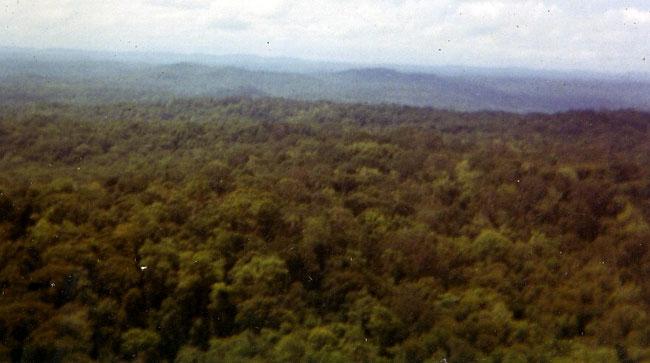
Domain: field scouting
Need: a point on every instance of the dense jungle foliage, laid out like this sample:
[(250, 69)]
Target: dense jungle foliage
[(271, 230)]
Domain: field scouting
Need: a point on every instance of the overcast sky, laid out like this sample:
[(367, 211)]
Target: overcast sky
[(603, 35)]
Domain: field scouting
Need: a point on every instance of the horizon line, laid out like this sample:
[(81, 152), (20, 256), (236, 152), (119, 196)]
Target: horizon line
[(419, 68)]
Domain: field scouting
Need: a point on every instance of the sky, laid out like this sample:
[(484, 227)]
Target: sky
[(596, 35)]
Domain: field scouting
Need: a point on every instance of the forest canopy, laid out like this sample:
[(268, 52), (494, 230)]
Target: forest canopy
[(239, 229)]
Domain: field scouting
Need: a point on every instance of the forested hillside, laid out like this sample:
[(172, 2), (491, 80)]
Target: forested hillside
[(270, 230)]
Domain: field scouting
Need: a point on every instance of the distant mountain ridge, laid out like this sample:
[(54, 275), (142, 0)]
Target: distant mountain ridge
[(92, 77), (297, 65)]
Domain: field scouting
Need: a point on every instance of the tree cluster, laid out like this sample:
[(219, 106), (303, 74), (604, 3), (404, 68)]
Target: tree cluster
[(264, 230)]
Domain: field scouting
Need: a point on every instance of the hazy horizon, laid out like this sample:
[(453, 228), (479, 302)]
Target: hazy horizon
[(204, 58), (601, 36)]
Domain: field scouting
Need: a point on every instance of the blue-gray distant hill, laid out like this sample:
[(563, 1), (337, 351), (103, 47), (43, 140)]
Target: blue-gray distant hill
[(95, 77)]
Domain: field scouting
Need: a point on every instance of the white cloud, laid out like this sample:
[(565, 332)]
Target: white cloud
[(599, 34), (636, 16), (181, 4), (482, 9)]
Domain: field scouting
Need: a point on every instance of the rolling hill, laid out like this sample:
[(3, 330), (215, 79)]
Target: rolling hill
[(96, 78)]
